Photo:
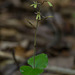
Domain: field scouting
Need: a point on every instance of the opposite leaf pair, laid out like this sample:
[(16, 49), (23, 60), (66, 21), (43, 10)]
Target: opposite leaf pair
[(41, 61)]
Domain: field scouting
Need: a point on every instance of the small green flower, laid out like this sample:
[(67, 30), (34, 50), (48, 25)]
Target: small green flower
[(50, 4), (38, 17), (35, 4)]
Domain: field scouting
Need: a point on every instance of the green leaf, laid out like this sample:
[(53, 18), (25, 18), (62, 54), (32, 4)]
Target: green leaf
[(41, 61), (27, 70), (50, 4)]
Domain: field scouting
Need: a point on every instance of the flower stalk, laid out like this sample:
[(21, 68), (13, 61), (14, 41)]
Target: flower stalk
[(35, 41)]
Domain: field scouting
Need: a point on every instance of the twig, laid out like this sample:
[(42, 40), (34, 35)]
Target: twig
[(61, 70), (30, 23), (8, 55), (13, 53)]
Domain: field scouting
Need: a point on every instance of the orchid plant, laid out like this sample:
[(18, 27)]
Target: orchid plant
[(37, 62)]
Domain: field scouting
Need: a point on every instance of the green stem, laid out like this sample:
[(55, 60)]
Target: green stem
[(35, 41)]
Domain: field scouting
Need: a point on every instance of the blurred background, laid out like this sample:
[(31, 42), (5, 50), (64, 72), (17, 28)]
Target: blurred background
[(55, 36)]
